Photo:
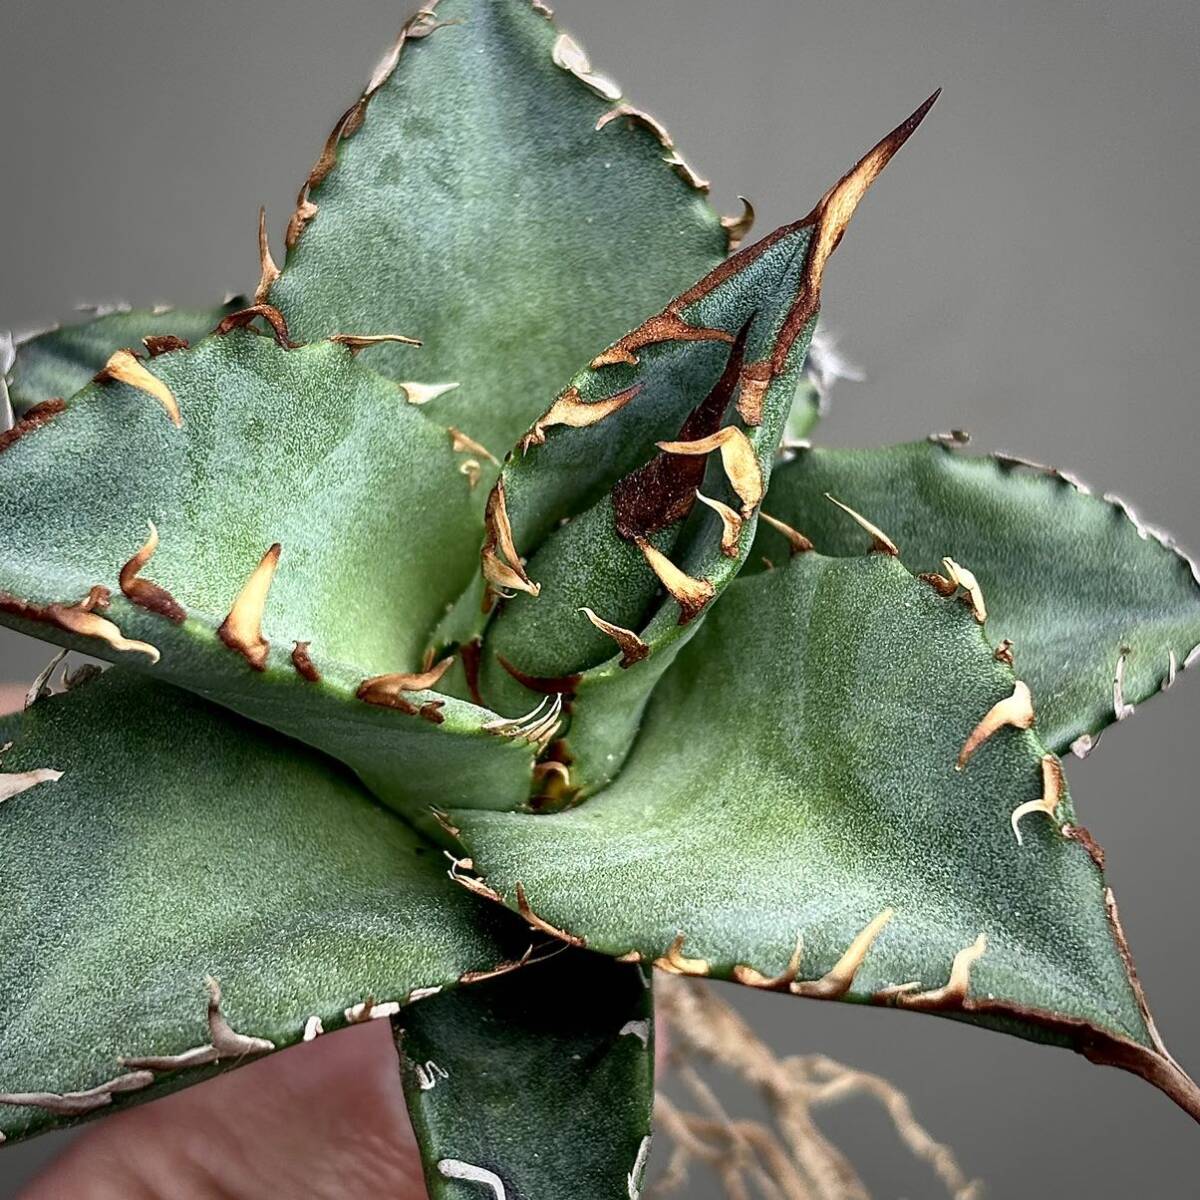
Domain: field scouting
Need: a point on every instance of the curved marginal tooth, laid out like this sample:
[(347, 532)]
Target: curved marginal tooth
[(505, 569), (690, 594), (125, 367), (638, 117), (737, 457), (1052, 788), (268, 271), (39, 689), (838, 981), (1172, 670), (354, 342), (957, 989), (961, 577), (667, 326), (463, 444), (1120, 709), (422, 393), (673, 961), (143, 592), (14, 784), (452, 1168), (568, 54), (572, 410), (242, 629), (737, 229), (880, 542), (796, 540), (88, 624), (387, 691), (313, 1028), (749, 977), (633, 649), (513, 727), (731, 524), (1015, 710)]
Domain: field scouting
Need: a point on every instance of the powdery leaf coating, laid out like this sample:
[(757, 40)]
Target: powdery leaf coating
[(773, 795), (1080, 587)]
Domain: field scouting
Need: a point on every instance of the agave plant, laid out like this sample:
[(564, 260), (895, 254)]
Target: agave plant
[(484, 637)]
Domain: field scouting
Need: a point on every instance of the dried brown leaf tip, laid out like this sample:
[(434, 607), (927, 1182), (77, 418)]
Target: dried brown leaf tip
[(797, 542), (1015, 711), (954, 995), (355, 342), (572, 410), (242, 629), (390, 691), (880, 542), (731, 524), (737, 229), (503, 567), (1048, 802), (690, 594), (303, 663), (673, 961), (570, 56), (422, 393), (737, 457), (268, 272), (125, 367), (633, 649), (142, 592)]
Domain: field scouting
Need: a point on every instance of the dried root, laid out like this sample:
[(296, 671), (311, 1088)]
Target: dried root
[(790, 1158)]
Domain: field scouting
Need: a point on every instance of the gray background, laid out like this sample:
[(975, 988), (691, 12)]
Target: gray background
[(1026, 269)]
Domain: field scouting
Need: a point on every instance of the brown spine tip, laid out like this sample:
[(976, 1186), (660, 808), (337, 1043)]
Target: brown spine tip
[(247, 317), (737, 229), (836, 982), (1015, 710), (690, 594), (572, 410), (242, 629), (143, 592), (633, 649), (737, 457), (268, 271), (797, 542), (389, 691), (880, 542), (302, 661), (125, 367), (731, 524), (163, 343)]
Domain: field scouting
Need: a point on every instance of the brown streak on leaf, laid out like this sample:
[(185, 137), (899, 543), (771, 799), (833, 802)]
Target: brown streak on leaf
[(242, 628), (355, 342), (471, 654), (665, 327), (571, 410), (562, 685)]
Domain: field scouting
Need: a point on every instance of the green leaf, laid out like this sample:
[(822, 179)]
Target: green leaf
[(484, 198), (305, 449), (1078, 583), (491, 1072), (180, 844), (646, 473), (795, 785), (61, 361)]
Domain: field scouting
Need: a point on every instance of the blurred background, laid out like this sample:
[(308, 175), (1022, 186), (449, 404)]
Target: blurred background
[(1027, 270)]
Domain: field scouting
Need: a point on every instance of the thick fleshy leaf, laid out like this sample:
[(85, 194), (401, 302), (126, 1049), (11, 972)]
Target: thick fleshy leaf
[(646, 474), (539, 1084), (793, 816), (496, 199), (1102, 610), (309, 528), (178, 844), (59, 362)]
